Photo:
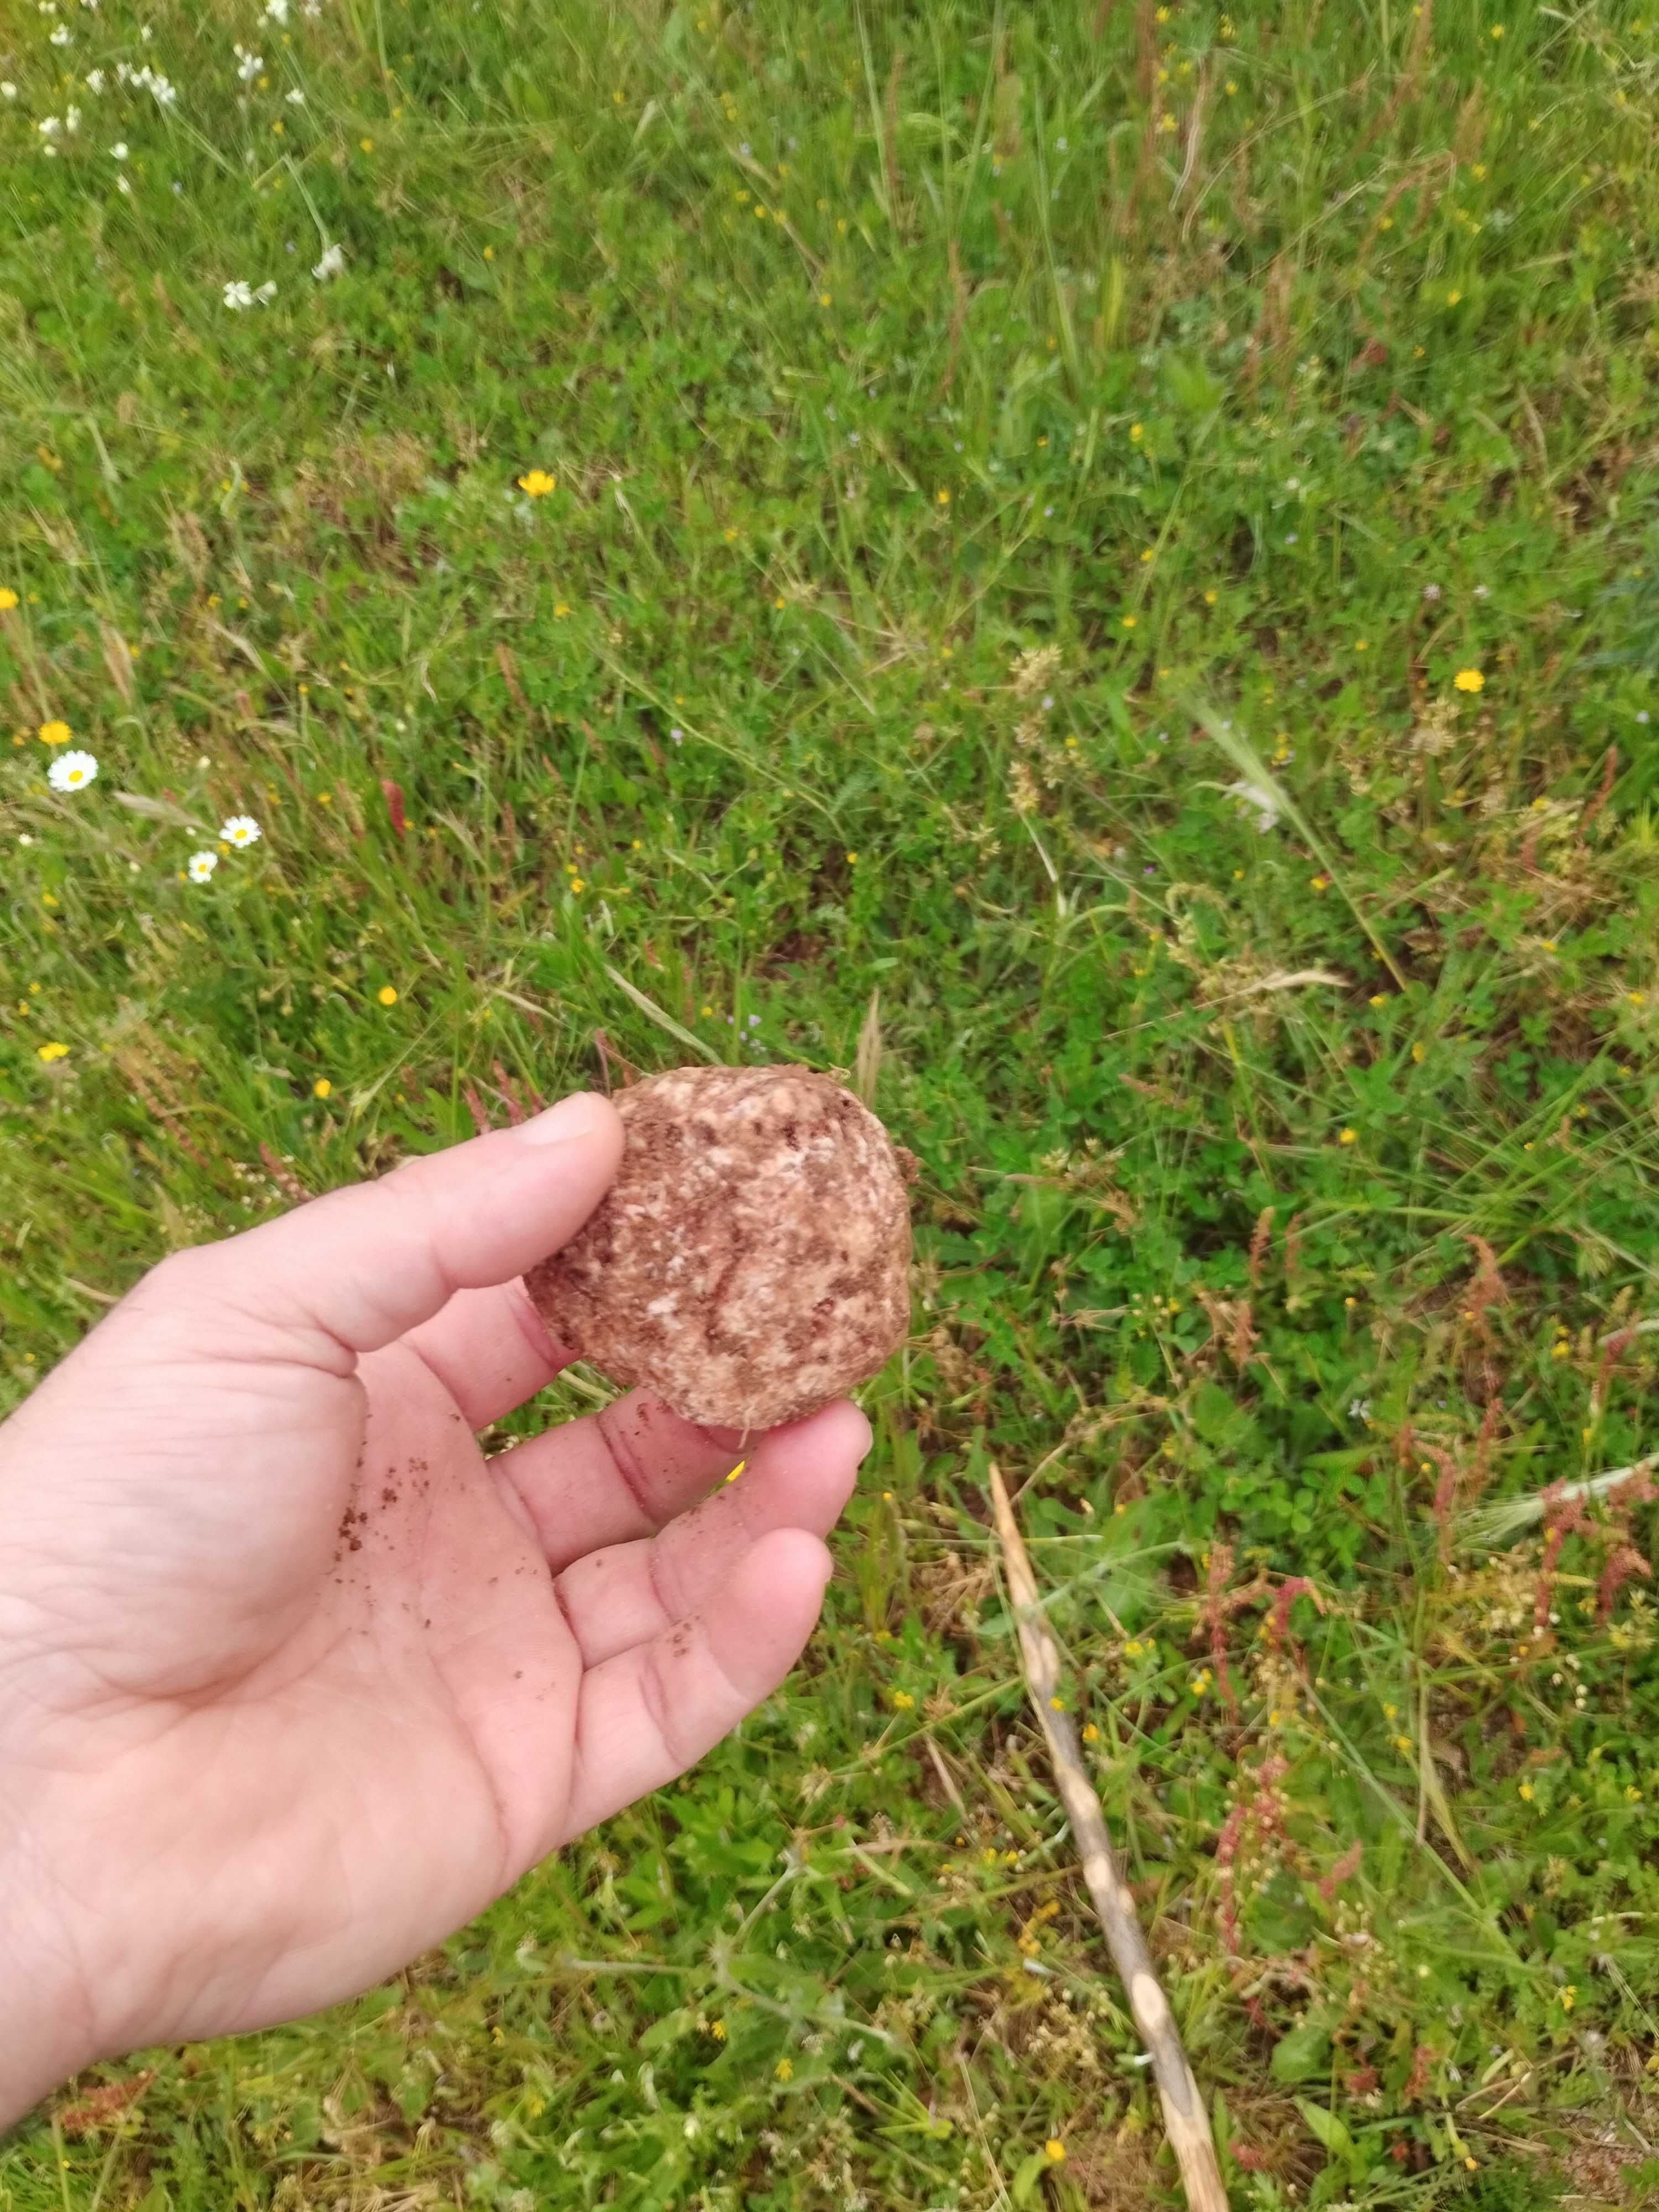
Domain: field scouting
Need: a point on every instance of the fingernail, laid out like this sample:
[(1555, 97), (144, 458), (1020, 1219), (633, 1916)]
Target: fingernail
[(581, 1115)]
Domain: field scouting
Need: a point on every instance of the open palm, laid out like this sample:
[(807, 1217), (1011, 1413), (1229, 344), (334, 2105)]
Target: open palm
[(292, 1680)]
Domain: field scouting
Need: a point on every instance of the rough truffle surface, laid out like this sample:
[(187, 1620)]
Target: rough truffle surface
[(751, 1259)]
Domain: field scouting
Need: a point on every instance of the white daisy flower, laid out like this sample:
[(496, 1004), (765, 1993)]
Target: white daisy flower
[(166, 94), (118, 152), (248, 65), (237, 294), (295, 98), (61, 34), (50, 126), (266, 293), (71, 119), (276, 11), (202, 866), (124, 187), (72, 772), (332, 263), (241, 831), (8, 90), (94, 80)]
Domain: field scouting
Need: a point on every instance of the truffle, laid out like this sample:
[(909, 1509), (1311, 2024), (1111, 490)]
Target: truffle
[(751, 1259)]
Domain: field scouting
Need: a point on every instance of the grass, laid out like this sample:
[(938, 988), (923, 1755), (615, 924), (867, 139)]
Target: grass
[(981, 440)]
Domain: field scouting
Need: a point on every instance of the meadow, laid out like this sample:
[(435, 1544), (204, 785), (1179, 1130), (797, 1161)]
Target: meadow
[(1091, 566)]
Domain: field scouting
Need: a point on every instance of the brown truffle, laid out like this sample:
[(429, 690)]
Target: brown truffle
[(751, 1259)]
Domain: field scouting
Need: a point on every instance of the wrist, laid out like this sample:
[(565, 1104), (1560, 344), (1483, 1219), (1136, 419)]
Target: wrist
[(48, 2031)]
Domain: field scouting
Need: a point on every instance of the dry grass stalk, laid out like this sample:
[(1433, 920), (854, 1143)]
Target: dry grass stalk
[(866, 1068), (1489, 1526), (1408, 84), (890, 136), (1185, 2120), (1146, 49), (958, 317)]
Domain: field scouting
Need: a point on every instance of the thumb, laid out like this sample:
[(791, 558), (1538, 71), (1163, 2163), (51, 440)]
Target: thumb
[(351, 1271)]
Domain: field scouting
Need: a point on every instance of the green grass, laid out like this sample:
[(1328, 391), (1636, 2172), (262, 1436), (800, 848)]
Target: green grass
[(980, 437)]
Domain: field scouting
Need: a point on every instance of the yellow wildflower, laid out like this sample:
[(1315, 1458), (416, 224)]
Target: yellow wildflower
[(54, 733), (536, 483), (321, 1088), (1469, 679), (51, 1052), (388, 995)]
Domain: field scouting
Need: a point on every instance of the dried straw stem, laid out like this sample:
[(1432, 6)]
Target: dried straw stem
[(1185, 2120)]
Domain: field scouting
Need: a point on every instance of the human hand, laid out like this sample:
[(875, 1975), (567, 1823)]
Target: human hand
[(293, 1680)]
